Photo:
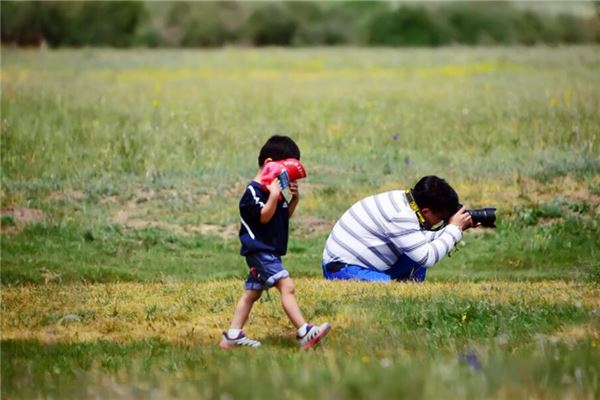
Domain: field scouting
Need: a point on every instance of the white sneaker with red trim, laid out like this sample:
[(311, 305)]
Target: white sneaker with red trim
[(313, 335), (240, 340)]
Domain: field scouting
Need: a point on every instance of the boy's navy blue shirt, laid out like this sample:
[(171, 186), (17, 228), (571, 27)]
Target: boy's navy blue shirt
[(255, 236)]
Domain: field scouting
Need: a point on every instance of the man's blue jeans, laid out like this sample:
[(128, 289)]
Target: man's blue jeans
[(405, 269)]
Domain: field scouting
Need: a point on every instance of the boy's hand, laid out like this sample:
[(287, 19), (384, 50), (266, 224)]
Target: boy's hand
[(274, 187), (295, 197), (294, 190)]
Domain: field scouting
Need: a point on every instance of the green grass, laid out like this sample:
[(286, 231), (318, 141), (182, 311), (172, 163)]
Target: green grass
[(130, 165), (564, 247), (106, 254), (153, 368), (488, 339)]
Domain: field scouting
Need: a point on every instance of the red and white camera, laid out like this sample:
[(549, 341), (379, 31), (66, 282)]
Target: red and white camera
[(287, 171)]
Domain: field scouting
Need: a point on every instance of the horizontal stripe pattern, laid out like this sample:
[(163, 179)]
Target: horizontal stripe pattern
[(375, 231)]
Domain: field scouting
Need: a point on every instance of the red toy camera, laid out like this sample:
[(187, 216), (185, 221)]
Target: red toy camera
[(287, 171)]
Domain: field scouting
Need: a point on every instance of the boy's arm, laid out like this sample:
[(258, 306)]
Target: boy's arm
[(267, 212), (295, 198)]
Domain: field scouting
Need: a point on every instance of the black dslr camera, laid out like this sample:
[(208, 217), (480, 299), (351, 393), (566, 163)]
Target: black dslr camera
[(485, 216)]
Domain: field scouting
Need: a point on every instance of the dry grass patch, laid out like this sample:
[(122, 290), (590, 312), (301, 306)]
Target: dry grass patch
[(195, 313)]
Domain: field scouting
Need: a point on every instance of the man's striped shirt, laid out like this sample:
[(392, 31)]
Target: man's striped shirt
[(375, 231)]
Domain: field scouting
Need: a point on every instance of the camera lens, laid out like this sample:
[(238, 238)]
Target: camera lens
[(485, 216)]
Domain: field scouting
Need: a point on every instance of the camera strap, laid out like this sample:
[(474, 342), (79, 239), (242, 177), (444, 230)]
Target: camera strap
[(413, 205)]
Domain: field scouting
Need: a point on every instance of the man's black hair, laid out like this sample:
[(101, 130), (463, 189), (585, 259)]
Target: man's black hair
[(278, 148), (436, 194)]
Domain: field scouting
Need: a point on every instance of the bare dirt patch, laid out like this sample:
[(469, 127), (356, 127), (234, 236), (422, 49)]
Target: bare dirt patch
[(132, 220), (68, 195), (146, 209), (19, 217), (309, 226), (224, 231)]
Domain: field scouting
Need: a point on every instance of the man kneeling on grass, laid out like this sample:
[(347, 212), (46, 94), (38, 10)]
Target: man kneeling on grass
[(396, 235)]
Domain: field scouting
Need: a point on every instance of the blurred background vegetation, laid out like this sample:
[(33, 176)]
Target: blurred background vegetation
[(364, 23)]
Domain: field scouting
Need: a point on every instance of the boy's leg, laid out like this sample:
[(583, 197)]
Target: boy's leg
[(266, 270), (235, 336), (243, 308), (269, 271), (288, 301), (307, 335)]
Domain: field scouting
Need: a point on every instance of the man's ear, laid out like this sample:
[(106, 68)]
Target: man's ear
[(267, 160), (426, 211)]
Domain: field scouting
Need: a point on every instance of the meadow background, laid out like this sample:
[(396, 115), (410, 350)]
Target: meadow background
[(121, 175)]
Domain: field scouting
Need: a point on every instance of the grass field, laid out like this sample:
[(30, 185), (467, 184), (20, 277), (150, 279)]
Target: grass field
[(121, 174)]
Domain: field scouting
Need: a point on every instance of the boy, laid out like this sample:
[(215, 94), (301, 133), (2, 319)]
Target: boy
[(265, 215)]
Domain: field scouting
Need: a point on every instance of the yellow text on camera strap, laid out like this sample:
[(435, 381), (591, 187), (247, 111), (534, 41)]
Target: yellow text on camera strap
[(413, 205)]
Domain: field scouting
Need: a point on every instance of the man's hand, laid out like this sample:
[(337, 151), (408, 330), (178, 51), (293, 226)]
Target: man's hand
[(462, 219)]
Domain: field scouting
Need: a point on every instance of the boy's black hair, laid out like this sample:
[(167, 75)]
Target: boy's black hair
[(436, 194), (278, 148)]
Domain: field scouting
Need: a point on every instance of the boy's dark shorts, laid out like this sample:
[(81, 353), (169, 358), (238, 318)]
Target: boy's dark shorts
[(266, 270)]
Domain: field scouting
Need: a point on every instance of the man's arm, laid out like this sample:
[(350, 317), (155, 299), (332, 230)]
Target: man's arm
[(462, 219), (409, 239)]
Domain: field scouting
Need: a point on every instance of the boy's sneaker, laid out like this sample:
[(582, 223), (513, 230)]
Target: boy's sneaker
[(240, 340), (313, 335)]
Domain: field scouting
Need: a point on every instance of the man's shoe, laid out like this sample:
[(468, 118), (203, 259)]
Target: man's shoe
[(240, 340), (313, 335)]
